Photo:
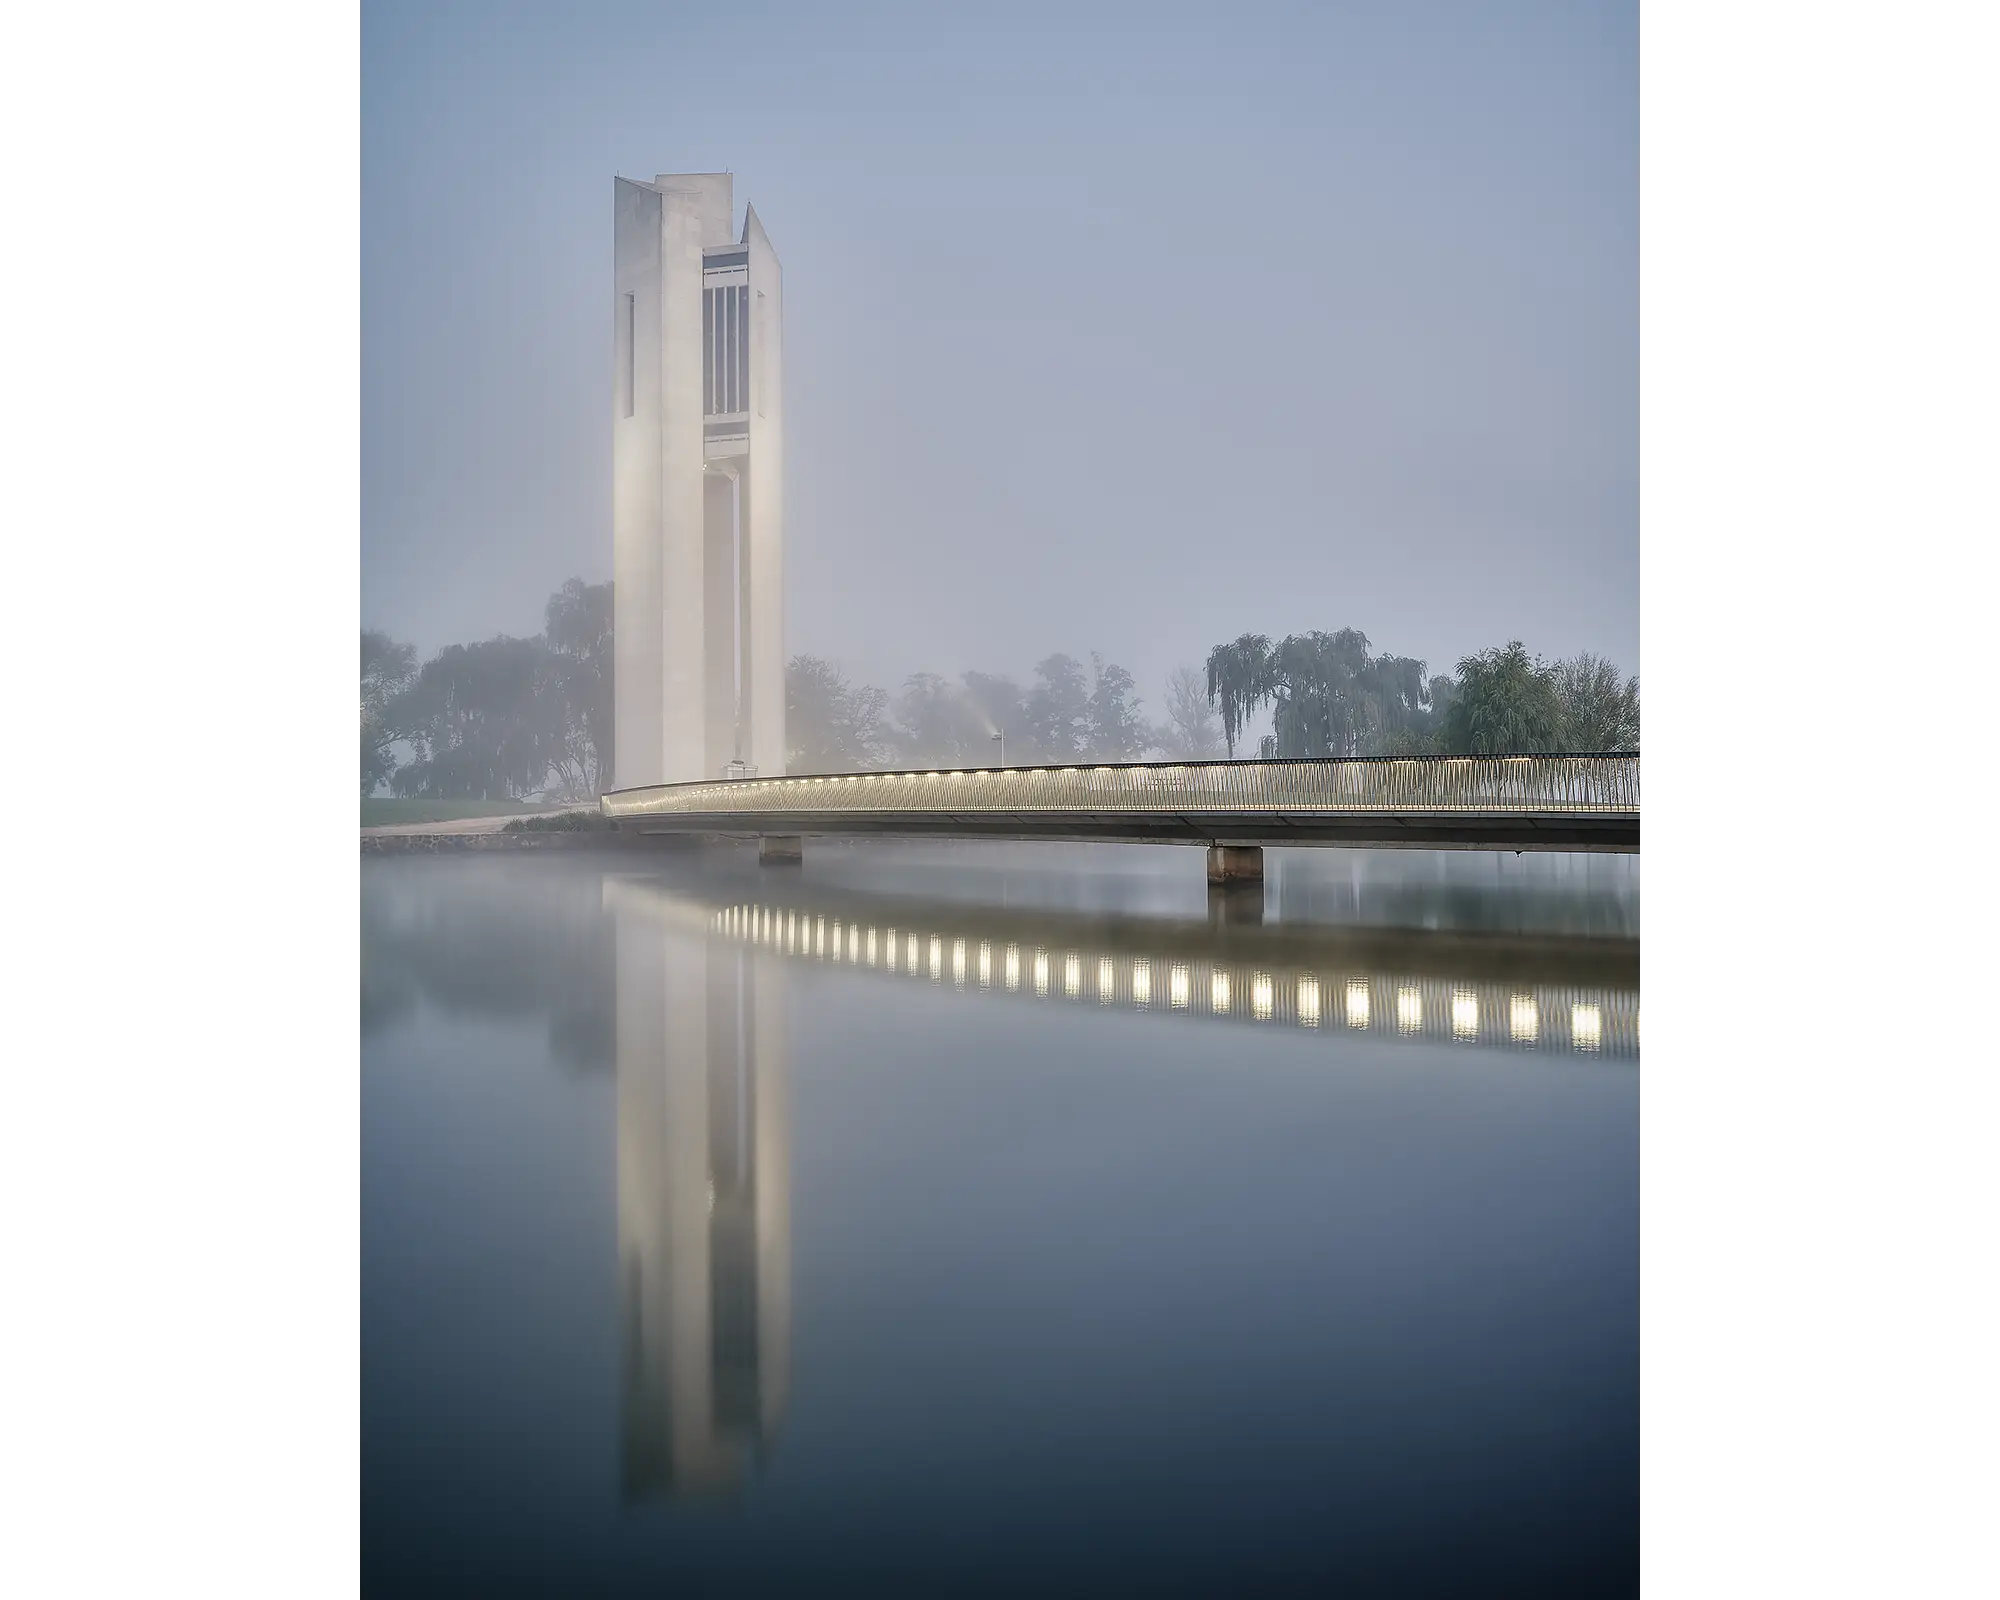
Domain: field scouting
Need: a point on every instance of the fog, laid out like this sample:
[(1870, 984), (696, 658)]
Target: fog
[(1127, 329)]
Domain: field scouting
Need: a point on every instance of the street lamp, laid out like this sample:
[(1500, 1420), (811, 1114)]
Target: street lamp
[(1001, 740)]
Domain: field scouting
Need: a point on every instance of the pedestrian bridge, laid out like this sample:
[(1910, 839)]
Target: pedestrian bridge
[(1539, 802)]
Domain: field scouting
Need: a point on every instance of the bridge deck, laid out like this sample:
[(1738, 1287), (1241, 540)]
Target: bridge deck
[(1588, 802)]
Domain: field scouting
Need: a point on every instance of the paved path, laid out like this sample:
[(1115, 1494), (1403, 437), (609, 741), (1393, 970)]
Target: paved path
[(394, 830)]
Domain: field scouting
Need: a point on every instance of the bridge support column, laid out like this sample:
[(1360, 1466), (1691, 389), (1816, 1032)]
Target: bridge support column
[(781, 850), (1235, 905), (1235, 863)]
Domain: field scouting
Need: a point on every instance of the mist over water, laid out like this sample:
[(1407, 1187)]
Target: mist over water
[(954, 1219)]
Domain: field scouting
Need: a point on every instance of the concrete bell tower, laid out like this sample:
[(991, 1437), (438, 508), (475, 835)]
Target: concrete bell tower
[(697, 448)]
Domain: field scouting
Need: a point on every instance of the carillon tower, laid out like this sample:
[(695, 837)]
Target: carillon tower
[(697, 441)]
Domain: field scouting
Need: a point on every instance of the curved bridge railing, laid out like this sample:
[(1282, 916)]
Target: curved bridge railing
[(1483, 785)]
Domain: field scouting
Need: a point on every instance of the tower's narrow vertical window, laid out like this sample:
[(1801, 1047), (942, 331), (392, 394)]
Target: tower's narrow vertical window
[(709, 351), (743, 348), (628, 355), (729, 347)]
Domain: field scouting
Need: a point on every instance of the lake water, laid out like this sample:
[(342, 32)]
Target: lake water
[(986, 1219)]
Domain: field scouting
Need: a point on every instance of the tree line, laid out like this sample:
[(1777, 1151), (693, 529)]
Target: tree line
[(512, 718), (503, 719), (1330, 697)]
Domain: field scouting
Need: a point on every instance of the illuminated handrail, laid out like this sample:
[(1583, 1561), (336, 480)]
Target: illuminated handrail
[(1484, 785)]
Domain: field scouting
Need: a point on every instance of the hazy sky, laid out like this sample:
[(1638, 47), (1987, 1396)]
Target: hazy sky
[(1126, 328)]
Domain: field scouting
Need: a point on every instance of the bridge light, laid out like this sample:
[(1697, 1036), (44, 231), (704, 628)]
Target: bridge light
[(1177, 987), (1308, 993), (1107, 981), (1524, 1020), (1586, 1027), (1357, 1005), (1013, 967), (1260, 997), (937, 959), (1142, 983), (1041, 972), (1218, 993), (1072, 975), (958, 962), (1409, 1010), (985, 964), (1464, 1014)]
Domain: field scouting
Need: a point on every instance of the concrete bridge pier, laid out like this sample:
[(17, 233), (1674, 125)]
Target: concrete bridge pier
[(780, 850), (1235, 863), (1235, 905)]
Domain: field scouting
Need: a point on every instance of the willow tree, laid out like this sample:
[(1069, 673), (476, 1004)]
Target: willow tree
[(1506, 704), (1320, 691), (1239, 680)]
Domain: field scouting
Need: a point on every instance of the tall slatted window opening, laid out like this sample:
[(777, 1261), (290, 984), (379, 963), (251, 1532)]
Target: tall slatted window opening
[(725, 352)]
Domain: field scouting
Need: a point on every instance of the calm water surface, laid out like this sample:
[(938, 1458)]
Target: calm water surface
[(947, 1220)]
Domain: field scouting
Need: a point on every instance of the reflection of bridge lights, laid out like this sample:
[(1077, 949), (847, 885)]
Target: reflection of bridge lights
[(1013, 967), (1409, 1009), (819, 938), (958, 962), (1177, 988), (1586, 1027), (1218, 992), (1260, 997), (1357, 1005), (1072, 975), (871, 947), (1107, 981), (937, 960), (1309, 1002), (1041, 972), (1464, 1014), (916, 956), (985, 964), (1524, 1021), (853, 941), (1142, 983)]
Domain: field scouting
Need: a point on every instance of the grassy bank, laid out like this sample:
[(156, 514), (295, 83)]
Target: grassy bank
[(571, 821)]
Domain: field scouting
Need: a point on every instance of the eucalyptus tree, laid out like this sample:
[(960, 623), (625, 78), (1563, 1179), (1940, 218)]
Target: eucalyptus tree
[(485, 720), (577, 629), (1599, 709), (1058, 709), (387, 670), (832, 725), (1192, 731), (931, 722), (1115, 731)]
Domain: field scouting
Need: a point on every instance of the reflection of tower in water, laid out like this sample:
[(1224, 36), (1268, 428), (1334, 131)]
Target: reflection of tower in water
[(704, 1218)]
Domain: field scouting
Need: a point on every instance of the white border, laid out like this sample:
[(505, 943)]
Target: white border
[(1818, 1201), (181, 534)]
